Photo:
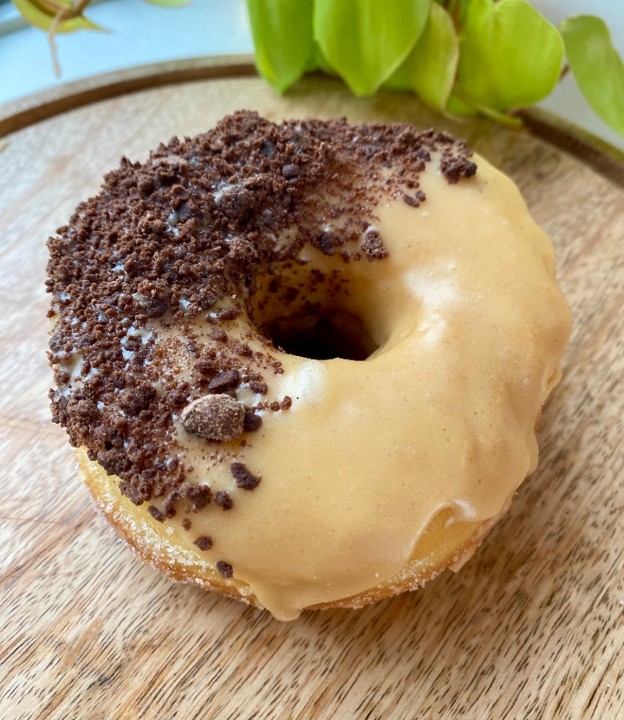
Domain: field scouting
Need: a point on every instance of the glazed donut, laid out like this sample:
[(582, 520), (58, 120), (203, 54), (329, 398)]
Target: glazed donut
[(303, 363)]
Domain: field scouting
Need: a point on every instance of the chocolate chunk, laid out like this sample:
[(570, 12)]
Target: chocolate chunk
[(214, 417), (243, 477), (290, 171), (225, 569), (203, 542), (225, 380)]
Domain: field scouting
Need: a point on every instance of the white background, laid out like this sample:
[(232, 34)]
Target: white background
[(142, 33)]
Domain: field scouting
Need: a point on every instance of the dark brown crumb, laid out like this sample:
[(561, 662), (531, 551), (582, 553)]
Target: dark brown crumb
[(372, 246), (258, 387), (228, 314), (203, 542), (225, 380), (252, 422), (242, 349), (243, 477), (410, 200), (224, 500), (156, 513), (186, 524), (225, 569), (196, 496)]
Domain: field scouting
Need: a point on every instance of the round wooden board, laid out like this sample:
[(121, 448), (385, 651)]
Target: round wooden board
[(532, 627)]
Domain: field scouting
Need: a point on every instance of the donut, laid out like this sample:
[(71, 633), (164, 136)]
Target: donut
[(302, 364)]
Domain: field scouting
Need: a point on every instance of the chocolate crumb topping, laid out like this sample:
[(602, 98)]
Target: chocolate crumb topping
[(197, 496), (258, 387), (251, 422), (186, 524), (203, 542), (156, 513), (225, 380), (372, 245), (225, 569), (214, 417), (243, 477), (224, 500), (184, 238)]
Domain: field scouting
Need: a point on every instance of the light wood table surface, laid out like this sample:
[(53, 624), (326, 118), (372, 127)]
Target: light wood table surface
[(532, 627)]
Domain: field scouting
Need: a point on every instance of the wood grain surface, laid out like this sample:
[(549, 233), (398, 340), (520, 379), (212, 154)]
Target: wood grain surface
[(532, 627)]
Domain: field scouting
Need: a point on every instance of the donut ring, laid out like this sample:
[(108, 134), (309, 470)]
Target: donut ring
[(303, 363)]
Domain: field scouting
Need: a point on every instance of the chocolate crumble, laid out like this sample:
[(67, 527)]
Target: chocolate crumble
[(243, 477), (225, 569), (203, 542), (372, 245), (251, 422), (156, 513), (225, 380), (224, 500), (185, 237)]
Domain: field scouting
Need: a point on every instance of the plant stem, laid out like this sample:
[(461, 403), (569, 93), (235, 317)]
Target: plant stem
[(63, 13)]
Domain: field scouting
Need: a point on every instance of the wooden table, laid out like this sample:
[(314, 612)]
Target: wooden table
[(532, 627)]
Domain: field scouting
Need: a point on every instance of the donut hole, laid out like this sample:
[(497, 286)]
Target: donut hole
[(309, 312), (325, 335)]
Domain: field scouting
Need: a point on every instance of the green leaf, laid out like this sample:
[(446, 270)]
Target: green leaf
[(429, 69), (597, 67), (510, 56), (456, 106), (365, 41), (41, 14), (317, 61), (456, 8), (282, 33)]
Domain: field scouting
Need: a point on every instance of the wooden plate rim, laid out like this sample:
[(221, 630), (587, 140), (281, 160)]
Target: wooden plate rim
[(604, 158)]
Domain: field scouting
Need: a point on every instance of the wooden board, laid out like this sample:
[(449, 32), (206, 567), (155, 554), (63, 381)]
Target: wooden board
[(532, 627)]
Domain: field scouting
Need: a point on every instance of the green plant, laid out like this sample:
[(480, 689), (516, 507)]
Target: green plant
[(64, 16), (462, 57)]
